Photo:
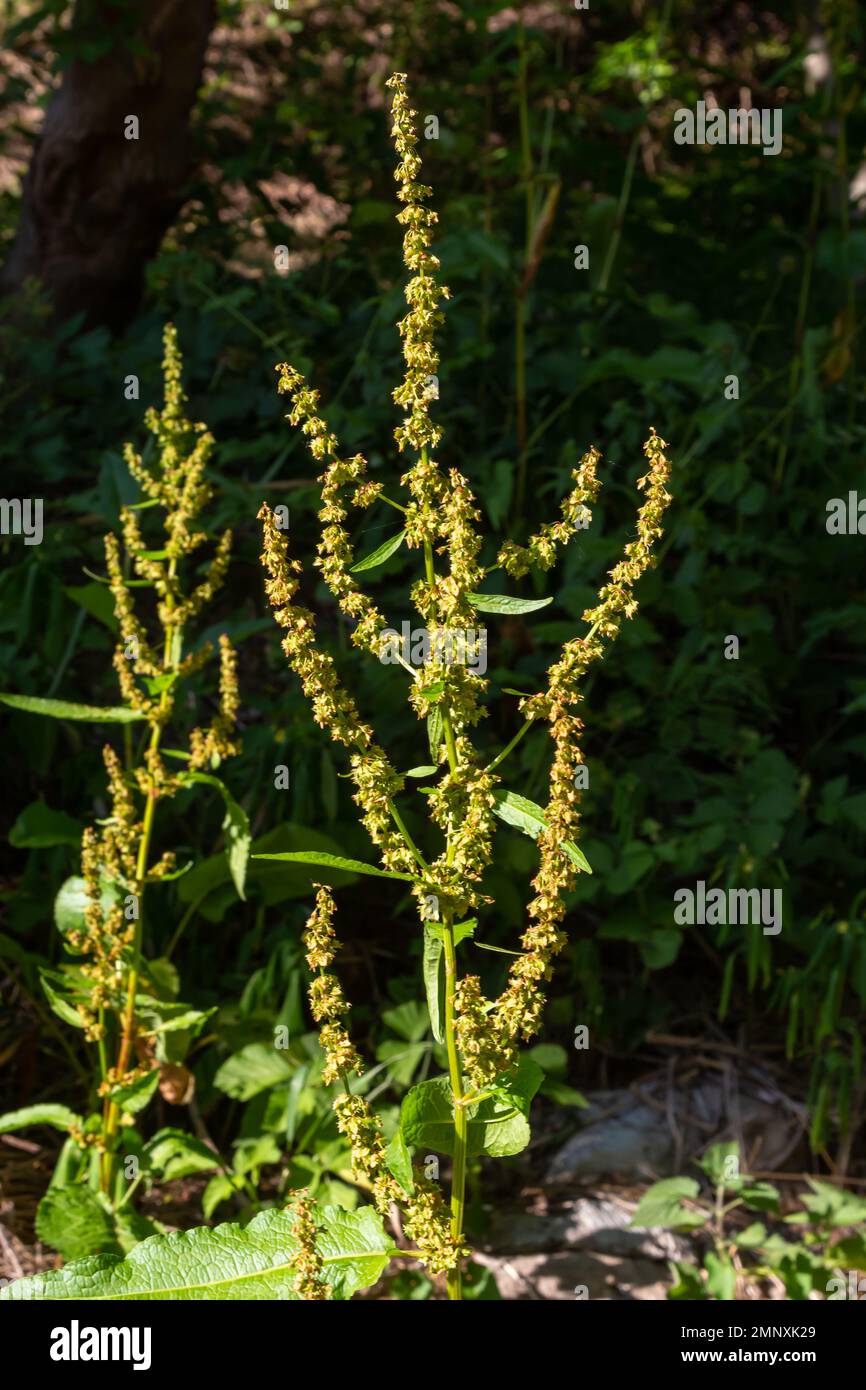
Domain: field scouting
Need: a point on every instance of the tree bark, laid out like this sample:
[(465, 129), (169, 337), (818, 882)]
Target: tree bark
[(97, 203)]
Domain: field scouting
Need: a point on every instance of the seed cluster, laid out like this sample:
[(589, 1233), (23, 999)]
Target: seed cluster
[(425, 1217), (113, 864), (441, 517)]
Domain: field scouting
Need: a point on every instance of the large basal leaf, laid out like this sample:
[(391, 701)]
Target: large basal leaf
[(504, 603), (228, 1262), (65, 709), (529, 817), (380, 555), (498, 1126), (58, 1116), (333, 861)]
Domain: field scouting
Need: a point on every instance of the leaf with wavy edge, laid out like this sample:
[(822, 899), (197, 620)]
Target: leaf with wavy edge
[(224, 1262)]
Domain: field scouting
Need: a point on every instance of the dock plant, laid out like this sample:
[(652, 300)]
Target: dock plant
[(481, 1104), (124, 1004)]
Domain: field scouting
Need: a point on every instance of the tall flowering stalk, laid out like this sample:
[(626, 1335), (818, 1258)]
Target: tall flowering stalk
[(150, 674), (481, 1036), (102, 915)]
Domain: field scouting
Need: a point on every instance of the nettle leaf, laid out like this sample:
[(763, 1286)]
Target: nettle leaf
[(57, 1116), (228, 1262), (65, 709), (38, 827), (380, 555), (236, 826), (505, 603), (74, 1221), (497, 1126), (334, 861), (529, 817), (662, 1205)]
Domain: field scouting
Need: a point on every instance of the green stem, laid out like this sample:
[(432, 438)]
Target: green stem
[(111, 1111), (500, 757), (454, 1282), (407, 838)]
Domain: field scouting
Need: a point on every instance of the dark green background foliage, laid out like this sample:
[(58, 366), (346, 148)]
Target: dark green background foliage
[(741, 773)]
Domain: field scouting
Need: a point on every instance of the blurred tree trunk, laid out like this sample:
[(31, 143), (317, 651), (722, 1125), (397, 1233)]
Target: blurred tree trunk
[(97, 203)]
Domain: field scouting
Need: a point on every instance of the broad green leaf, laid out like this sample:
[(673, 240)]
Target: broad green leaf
[(434, 981), (137, 1094), (333, 861), (689, 1285), (58, 1116), (175, 1154), (74, 1221), (721, 1276), (721, 1162), (497, 1126), (760, 1196), (399, 1162), (380, 555), (753, 1235), (228, 1262), (38, 827), (427, 770), (65, 709), (354, 1248), (236, 826), (256, 1068), (529, 817), (504, 603), (662, 1205)]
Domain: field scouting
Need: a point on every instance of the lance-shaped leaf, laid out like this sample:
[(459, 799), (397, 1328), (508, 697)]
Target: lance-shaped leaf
[(529, 817), (505, 603), (228, 1262), (65, 709), (380, 555), (58, 1116), (334, 861)]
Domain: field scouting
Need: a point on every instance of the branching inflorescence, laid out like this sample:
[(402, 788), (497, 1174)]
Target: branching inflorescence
[(441, 520), (116, 865)]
